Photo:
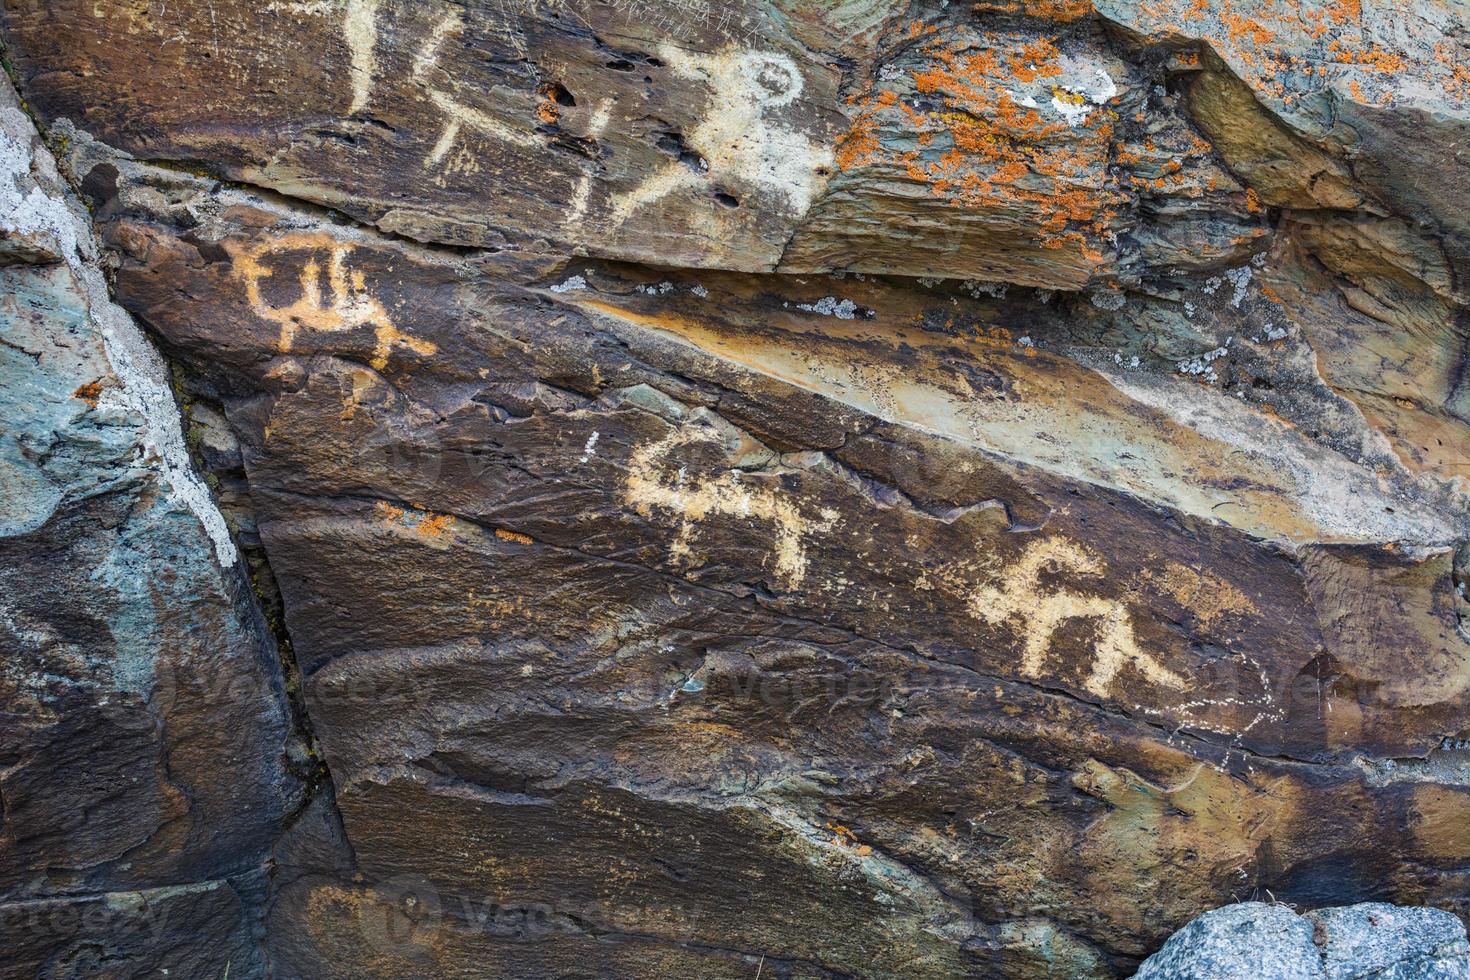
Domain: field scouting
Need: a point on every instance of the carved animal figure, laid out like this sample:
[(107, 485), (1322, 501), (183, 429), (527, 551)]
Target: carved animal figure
[(1021, 598)]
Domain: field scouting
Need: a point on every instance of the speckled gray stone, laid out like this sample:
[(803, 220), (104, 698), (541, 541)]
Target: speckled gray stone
[(1387, 942), (1372, 941), (1252, 939)]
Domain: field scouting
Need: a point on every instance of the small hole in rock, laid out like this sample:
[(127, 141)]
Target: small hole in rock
[(728, 200), (561, 95), (620, 65)]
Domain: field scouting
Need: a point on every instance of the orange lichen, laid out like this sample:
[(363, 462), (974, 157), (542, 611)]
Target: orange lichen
[(435, 525), (515, 537), (1035, 60), (1345, 10), (1244, 29), (1373, 61), (1062, 11), (990, 152), (90, 392), (859, 145), (842, 837), (1458, 81), (548, 111), (429, 524), (388, 512), (1284, 49)]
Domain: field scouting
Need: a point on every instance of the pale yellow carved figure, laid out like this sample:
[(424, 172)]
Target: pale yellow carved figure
[(347, 305), (651, 485), (735, 138), (1019, 597)]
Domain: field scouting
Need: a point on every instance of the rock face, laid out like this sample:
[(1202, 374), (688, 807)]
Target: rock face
[(144, 777), (804, 489), (1270, 942)]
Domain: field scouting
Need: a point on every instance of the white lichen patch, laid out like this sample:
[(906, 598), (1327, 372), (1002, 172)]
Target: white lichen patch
[(590, 448), (995, 290), (842, 309), (1241, 280), (1075, 100), (1201, 366)]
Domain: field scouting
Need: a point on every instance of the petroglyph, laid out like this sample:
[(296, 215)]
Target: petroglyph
[(457, 114), (348, 305), (360, 29), (735, 138), (1020, 596), (654, 485), (596, 126)]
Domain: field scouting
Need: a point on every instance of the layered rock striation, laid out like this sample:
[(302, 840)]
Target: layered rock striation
[(860, 489)]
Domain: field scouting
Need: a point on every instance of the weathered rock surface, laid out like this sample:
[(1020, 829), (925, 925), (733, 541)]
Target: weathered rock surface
[(1371, 941), (857, 489), (142, 767)]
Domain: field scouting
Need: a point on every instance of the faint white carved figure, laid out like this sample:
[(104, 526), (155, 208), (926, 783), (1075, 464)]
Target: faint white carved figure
[(582, 196), (457, 114), (736, 139), (655, 482), (359, 29)]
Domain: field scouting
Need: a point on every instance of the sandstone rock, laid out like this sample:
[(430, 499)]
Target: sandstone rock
[(196, 930), (806, 137), (1371, 940), (1381, 85), (473, 503)]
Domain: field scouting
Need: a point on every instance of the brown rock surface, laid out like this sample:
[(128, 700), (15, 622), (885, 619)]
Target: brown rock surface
[(847, 489)]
